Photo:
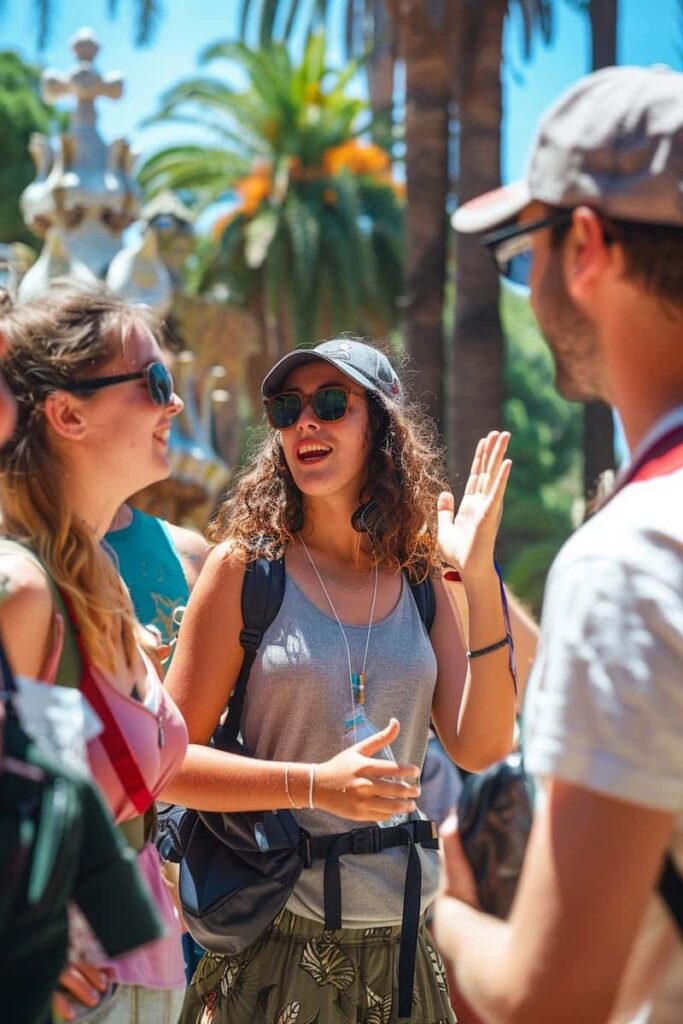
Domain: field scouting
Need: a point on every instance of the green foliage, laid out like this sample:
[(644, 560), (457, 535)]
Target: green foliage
[(314, 242), (545, 451), (21, 113)]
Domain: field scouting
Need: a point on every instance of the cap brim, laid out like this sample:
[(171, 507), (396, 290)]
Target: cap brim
[(491, 209), (274, 380)]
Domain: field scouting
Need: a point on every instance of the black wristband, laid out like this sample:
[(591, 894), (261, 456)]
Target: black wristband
[(489, 650)]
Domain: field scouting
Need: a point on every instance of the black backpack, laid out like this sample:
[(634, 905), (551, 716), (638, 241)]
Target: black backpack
[(237, 869)]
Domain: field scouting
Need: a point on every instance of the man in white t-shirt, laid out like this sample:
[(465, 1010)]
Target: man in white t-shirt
[(599, 219)]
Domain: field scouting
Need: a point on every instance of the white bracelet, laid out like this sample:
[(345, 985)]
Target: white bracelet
[(289, 795), (311, 781)]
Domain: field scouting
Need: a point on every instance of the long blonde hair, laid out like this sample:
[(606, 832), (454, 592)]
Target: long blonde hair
[(51, 342)]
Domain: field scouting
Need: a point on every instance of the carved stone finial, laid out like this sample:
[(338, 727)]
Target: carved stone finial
[(85, 44), (83, 81)]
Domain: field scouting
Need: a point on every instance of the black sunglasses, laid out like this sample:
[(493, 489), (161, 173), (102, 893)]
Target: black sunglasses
[(329, 404), (511, 246), (159, 382)]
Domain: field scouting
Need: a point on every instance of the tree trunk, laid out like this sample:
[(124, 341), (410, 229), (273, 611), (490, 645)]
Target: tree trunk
[(603, 17), (598, 426), (428, 48), (478, 350), (380, 69)]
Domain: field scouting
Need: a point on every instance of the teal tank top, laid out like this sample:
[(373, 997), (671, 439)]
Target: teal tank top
[(150, 567)]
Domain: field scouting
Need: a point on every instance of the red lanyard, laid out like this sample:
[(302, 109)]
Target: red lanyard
[(112, 739), (662, 457)]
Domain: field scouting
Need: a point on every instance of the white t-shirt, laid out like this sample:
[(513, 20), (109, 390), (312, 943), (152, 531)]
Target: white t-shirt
[(604, 707)]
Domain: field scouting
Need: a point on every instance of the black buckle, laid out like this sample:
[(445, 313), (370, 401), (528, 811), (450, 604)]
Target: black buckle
[(366, 840), (305, 849), (250, 639)]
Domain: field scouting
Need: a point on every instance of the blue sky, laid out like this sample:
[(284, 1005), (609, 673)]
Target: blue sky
[(650, 31)]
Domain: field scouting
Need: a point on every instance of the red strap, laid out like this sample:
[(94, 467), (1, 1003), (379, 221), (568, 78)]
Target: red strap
[(661, 465), (661, 458), (112, 739)]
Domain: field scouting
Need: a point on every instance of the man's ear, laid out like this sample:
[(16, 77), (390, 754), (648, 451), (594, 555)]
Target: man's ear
[(65, 414), (587, 255)]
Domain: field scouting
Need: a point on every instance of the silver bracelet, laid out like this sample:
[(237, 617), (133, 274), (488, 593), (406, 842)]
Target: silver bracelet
[(311, 781), (289, 795)]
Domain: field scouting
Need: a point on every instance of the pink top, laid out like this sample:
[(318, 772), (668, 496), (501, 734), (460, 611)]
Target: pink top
[(157, 736)]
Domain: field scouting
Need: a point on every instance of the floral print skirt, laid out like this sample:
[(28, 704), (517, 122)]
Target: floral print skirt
[(298, 973)]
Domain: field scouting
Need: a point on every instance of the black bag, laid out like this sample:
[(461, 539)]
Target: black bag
[(494, 822), (237, 869)]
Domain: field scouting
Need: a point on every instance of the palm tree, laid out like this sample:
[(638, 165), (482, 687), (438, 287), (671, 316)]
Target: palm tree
[(313, 243), (478, 342), (436, 41), (598, 426), (425, 38)]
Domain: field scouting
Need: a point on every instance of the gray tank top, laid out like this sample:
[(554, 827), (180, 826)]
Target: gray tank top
[(297, 699)]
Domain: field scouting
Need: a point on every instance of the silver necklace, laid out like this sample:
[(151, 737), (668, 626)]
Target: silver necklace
[(361, 674), (349, 590)]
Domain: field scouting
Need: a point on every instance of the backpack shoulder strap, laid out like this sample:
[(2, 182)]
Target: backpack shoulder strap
[(263, 589), (423, 593), (69, 667), (671, 890)]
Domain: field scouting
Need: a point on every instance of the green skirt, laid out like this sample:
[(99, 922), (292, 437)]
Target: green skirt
[(298, 973)]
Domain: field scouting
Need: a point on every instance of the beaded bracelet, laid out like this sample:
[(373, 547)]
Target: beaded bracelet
[(489, 650)]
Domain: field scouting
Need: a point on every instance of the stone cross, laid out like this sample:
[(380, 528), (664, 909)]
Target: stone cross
[(83, 81)]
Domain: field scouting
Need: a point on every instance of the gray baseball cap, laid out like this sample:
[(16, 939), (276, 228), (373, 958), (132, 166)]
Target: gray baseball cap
[(363, 363), (613, 141)]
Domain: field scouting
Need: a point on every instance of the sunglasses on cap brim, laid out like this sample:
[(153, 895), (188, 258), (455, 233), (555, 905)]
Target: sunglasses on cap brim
[(329, 404), (159, 383)]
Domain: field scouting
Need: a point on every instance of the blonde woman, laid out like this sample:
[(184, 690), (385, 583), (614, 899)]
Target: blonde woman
[(95, 404)]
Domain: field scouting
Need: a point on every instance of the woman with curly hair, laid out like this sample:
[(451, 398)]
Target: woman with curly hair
[(349, 489)]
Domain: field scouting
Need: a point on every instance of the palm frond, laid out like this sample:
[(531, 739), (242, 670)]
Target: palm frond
[(303, 224), (258, 236), (208, 173), (147, 17), (43, 11)]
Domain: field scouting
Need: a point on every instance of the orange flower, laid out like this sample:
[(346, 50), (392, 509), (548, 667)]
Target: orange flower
[(357, 157), (254, 188), (330, 196), (220, 224)]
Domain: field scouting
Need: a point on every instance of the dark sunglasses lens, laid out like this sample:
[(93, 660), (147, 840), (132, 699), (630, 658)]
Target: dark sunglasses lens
[(329, 404), (284, 410), (160, 383), (517, 269)]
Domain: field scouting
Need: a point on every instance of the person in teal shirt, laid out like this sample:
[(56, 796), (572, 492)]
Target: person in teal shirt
[(159, 563)]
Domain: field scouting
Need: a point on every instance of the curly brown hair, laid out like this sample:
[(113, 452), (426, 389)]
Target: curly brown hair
[(405, 475)]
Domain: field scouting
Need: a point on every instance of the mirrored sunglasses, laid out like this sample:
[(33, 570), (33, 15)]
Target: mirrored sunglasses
[(159, 383), (329, 405)]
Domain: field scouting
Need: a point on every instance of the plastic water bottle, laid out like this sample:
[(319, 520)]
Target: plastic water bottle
[(359, 727)]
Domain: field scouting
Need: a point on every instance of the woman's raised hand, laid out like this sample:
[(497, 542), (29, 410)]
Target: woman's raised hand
[(354, 784), (467, 540)]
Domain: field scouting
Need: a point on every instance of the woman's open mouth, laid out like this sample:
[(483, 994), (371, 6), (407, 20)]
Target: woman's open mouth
[(312, 452)]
